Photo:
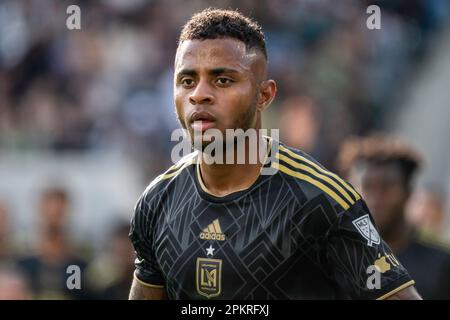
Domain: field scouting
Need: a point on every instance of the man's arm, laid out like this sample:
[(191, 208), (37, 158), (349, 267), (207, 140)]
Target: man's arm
[(140, 291), (409, 293)]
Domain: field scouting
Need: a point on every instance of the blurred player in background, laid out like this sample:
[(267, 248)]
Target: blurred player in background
[(46, 268), (383, 168), (111, 272), (226, 230)]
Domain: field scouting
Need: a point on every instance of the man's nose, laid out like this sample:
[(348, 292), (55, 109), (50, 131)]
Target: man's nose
[(202, 94)]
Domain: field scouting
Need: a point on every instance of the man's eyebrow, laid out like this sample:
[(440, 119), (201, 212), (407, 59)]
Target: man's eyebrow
[(186, 72), (217, 71)]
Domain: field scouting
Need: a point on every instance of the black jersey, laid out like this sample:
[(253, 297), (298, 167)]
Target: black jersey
[(301, 233)]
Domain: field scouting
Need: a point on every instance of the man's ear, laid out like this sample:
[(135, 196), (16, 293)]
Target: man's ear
[(267, 92)]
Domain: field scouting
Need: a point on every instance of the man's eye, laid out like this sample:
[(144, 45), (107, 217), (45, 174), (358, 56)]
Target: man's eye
[(187, 82), (223, 81)]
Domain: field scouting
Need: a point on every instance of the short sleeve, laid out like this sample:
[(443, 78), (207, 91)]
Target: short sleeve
[(360, 262), (147, 270)]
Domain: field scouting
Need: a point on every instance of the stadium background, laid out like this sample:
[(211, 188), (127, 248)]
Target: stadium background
[(90, 111)]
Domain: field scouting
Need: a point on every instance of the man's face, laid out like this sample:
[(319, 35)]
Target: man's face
[(217, 85), (54, 211), (383, 188)]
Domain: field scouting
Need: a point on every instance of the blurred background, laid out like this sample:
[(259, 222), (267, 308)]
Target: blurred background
[(86, 116)]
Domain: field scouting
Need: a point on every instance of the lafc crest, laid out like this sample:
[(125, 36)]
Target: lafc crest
[(209, 277)]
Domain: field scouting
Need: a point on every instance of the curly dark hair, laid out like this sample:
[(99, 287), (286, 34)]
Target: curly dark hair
[(214, 23), (379, 149)]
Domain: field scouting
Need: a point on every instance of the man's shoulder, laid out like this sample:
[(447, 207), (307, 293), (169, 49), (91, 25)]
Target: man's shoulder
[(313, 178), (172, 174)]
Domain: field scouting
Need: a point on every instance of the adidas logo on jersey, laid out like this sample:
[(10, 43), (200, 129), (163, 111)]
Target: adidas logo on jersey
[(213, 232)]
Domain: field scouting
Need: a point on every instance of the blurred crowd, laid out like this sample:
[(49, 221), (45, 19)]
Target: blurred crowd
[(42, 270), (108, 87)]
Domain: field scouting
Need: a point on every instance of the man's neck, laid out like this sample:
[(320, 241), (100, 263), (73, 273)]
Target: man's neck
[(223, 179)]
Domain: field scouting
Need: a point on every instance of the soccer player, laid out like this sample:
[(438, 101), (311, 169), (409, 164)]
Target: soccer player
[(226, 231), (383, 169)]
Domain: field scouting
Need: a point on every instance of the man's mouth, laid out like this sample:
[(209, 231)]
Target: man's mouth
[(202, 125), (202, 121)]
